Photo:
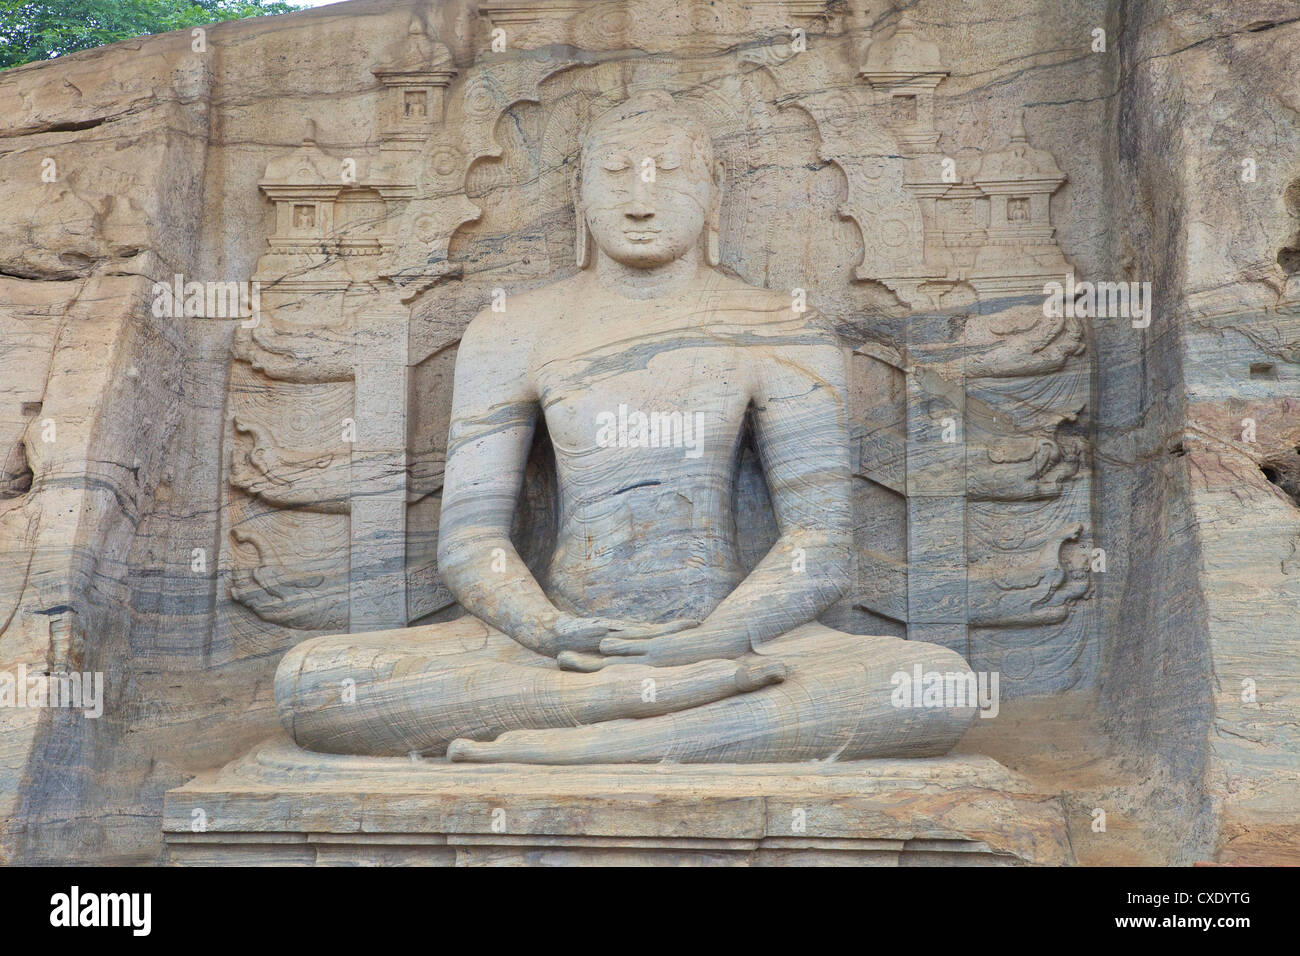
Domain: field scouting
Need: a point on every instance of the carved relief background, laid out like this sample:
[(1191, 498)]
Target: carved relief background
[(970, 406)]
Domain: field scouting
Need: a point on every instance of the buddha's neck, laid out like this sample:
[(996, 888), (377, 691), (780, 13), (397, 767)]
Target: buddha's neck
[(653, 283)]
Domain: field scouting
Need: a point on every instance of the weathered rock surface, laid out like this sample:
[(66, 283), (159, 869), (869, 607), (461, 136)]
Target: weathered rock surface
[(278, 807), (181, 502)]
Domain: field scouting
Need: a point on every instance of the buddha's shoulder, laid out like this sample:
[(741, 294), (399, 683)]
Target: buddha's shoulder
[(774, 311), (552, 299), (736, 295), (525, 313), (720, 290)]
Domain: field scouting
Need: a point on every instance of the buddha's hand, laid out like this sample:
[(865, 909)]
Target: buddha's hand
[(684, 645), (583, 635)]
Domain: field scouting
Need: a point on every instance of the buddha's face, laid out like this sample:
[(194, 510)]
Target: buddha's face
[(647, 187)]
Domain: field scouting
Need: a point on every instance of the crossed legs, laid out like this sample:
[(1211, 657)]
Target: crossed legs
[(835, 703), (414, 691), (471, 692)]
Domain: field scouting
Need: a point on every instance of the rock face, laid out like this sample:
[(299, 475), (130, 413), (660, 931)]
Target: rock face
[(241, 264)]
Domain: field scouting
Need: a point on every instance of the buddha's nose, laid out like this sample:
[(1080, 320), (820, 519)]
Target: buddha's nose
[(639, 210)]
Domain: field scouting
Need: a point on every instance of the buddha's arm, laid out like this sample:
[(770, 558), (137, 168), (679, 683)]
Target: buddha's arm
[(494, 409), (800, 395), (799, 392)]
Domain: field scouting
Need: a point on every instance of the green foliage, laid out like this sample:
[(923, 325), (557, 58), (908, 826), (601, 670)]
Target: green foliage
[(40, 29)]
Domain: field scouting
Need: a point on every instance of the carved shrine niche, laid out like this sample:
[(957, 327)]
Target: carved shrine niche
[(969, 406)]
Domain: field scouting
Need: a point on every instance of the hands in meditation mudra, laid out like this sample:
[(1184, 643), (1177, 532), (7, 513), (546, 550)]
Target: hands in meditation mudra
[(647, 642)]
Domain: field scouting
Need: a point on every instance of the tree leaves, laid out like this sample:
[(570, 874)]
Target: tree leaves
[(33, 30)]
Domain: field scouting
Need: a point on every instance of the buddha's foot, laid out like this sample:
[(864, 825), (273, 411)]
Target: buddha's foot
[(411, 696), (759, 672), (528, 746), (639, 690), (689, 686), (838, 702)]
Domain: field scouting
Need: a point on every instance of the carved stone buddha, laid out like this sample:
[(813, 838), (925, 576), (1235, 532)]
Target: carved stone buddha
[(645, 639)]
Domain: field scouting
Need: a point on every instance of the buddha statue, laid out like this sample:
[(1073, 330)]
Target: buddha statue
[(645, 639)]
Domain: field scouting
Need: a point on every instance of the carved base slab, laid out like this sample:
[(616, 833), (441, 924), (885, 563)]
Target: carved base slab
[(283, 806)]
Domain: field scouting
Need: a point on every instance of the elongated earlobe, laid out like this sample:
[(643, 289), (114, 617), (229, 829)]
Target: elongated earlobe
[(581, 245)]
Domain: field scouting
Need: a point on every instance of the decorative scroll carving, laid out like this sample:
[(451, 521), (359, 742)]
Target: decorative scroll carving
[(301, 353), (306, 427), (1019, 468), (289, 447), (1006, 590), (291, 569), (419, 258), (1018, 341)]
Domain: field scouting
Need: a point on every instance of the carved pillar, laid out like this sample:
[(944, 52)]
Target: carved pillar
[(377, 569), (936, 503)]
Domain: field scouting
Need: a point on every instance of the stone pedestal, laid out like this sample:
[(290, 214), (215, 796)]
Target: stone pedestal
[(283, 806)]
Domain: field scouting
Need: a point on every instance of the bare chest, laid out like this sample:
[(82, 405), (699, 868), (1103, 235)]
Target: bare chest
[(646, 394)]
